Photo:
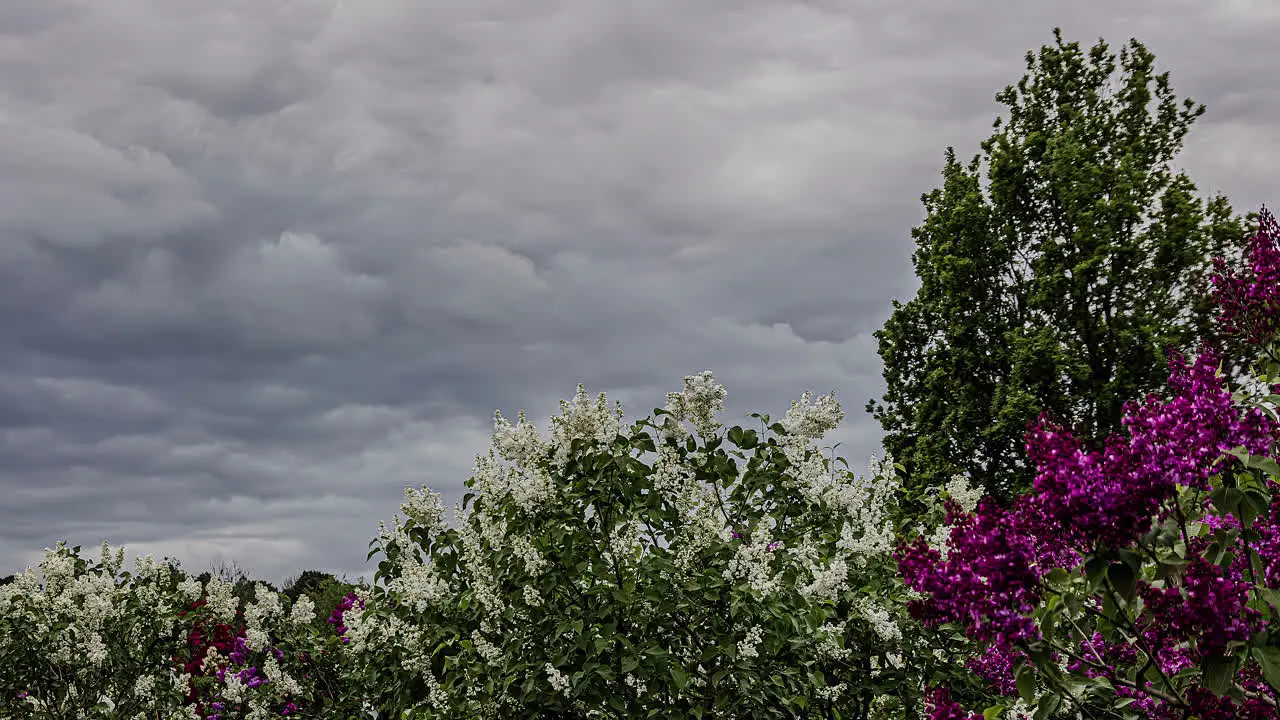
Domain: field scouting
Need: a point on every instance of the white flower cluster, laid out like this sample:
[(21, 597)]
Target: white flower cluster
[(527, 481), (636, 683), (557, 679), (831, 692), (752, 561), (258, 615), (966, 495), (69, 614), (827, 641), (487, 650), (423, 507), (828, 580), (749, 645), (477, 563), (529, 555), (880, 619), (303, 611), (417, 583), (867, 531), (521, 443), (698, 404), (580, 419), (221, 602), (813, 421), (625, 541)]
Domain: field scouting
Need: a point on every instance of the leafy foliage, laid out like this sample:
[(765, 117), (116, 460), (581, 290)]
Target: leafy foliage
[(1058, 283), (738, 577)]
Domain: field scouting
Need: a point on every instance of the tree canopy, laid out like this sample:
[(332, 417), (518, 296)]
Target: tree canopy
[(1056, 282)]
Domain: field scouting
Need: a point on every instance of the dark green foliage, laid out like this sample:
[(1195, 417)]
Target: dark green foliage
[(325, 590), (1056, 284)]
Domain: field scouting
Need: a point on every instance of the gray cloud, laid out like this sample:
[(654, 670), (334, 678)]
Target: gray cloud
[(263, 264)]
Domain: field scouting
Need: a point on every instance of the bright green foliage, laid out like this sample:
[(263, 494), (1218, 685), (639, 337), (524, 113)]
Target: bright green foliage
[(1056, 284)]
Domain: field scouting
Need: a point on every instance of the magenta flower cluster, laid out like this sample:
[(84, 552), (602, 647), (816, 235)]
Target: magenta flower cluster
[(989, 583), (1092, 503), (1249, 302), (336, 617)]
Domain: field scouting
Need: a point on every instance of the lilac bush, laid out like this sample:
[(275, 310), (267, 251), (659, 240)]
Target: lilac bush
[(1141, 579)]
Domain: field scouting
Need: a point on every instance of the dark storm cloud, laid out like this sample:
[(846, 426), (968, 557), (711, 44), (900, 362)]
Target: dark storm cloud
[(262, 264)]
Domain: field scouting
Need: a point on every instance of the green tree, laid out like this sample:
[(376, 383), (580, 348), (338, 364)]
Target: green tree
[(1058, 283), (325, 590)]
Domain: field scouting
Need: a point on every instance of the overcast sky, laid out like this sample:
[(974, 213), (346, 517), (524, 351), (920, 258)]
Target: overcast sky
[(265, 262)]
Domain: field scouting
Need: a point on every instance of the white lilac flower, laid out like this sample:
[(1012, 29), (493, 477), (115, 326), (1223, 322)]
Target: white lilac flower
[(580, 419), (831, 692), (811, 422), (266, 606), (221, 602), (484, 648), (475, 560), (211, 660), (880, 620), (828, 580), (94, 649), (303, 611), (699, 403), (967, 496), (529, 555), (111, 563), (827, 642), (424, 508), (418, 584), (521, 443), (557, 679), (749, 645), (625, 540), (283, 682), (190, 588), (670, 474), (145, 687), (751, 562)]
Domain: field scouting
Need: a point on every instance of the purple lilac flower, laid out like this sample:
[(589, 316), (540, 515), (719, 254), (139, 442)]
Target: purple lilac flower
[(942, 707), (240, 652), (252, 677), (1108, 498), (1211, 608), (996, 666), (1082, 499), (989, 582), (335, 618), (1249, 302)]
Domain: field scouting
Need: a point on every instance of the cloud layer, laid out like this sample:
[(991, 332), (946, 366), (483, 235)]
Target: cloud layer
[(265, 262)]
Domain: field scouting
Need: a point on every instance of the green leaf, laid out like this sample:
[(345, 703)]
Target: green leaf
[(1269, 659), (1123, 578), (1048, 706), (1027, 683), (1218, 672), (680, 677)]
